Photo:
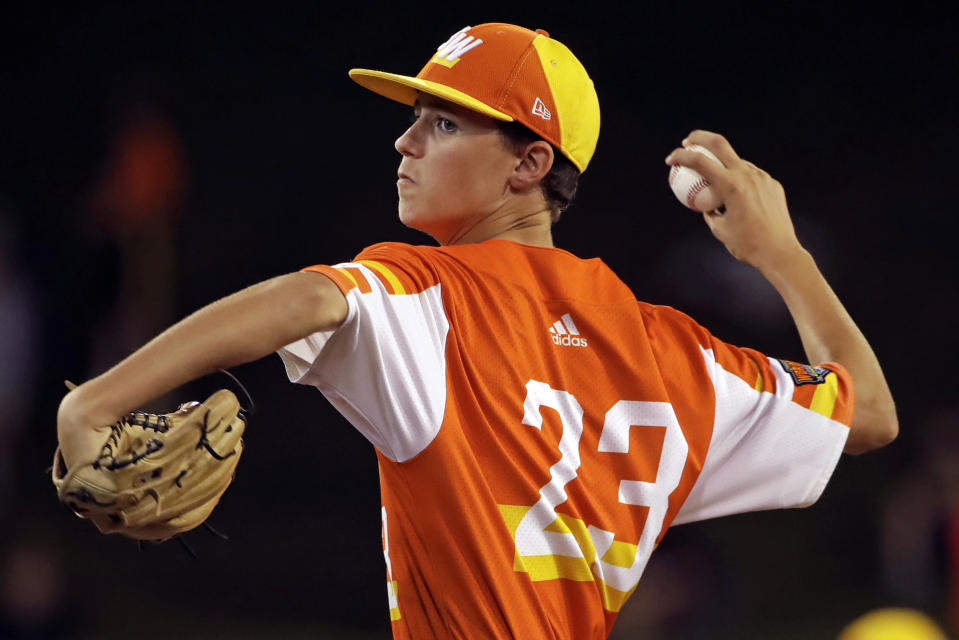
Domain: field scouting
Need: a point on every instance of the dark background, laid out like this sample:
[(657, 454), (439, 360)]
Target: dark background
[(281, 161)]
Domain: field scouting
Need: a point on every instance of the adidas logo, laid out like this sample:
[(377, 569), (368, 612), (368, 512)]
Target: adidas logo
[(564, 333)]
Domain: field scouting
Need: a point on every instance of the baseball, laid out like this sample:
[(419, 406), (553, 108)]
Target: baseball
[(691, 188)]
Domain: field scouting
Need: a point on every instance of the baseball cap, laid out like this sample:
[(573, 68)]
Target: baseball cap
[(508, 73)]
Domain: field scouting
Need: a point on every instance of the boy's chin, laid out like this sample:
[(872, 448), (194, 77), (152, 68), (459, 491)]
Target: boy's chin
[(414, 218), (437, 227), (409, 218)]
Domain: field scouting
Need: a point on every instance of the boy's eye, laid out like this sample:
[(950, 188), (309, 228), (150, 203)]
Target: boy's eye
[(447, 126)]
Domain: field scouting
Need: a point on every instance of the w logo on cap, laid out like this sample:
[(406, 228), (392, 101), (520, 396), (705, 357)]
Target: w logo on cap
[(448, 53)]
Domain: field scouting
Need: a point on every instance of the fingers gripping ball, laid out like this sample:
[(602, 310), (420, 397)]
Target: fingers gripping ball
[(692, 189), (158, 475)]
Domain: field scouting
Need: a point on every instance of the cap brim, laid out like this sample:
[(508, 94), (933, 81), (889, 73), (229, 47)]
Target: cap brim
[(405, 89)]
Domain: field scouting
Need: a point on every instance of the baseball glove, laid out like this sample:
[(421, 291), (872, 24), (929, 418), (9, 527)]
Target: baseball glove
[(158, 475)]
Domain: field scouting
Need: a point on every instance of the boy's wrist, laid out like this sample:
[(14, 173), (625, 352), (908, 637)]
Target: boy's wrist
[(75, 435), (785, 267)]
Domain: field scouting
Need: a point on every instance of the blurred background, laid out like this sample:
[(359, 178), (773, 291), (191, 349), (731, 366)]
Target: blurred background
[(154, 158)]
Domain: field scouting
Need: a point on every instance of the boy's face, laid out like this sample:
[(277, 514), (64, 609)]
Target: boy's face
[(454, 171)]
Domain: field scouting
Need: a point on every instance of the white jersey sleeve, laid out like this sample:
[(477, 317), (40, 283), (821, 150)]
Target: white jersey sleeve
[(767, 451), (384, 368), (768, 433)]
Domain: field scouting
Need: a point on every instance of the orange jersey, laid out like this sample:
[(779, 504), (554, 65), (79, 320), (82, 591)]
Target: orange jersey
[(538, 429)]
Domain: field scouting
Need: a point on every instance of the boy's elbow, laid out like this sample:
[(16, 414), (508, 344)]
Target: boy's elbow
[(891, 431), (875, 430), (884, 432)]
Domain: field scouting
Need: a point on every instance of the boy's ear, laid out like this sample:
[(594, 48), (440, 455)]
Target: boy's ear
[(535, 161)]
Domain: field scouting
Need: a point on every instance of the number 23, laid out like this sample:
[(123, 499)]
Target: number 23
[(532, 538)]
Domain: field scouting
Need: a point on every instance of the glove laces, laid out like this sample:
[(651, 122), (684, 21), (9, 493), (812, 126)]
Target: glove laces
[(152, 421)]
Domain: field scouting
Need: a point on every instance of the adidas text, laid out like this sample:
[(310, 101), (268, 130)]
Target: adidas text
[(569, 341)]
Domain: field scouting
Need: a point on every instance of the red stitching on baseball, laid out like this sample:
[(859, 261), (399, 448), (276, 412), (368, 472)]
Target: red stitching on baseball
[(694, 191)]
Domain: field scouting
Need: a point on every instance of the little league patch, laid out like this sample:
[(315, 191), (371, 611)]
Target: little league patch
[(804, 373)]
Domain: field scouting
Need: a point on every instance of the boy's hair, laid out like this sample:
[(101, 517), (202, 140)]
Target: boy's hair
[(559, 184)]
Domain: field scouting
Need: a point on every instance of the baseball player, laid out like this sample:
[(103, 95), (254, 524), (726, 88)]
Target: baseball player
[(537, 428)]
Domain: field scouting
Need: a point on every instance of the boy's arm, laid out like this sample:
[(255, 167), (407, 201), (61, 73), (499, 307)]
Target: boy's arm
[(242, 327), (756, 229)]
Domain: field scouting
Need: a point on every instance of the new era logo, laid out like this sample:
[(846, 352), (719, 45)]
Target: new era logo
[(565, 334), (539, 109)]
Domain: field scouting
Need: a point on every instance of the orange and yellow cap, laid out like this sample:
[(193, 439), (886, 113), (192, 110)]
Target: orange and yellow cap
[(508, 73)]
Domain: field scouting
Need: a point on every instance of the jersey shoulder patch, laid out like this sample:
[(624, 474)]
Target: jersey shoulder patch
[(804, 373)]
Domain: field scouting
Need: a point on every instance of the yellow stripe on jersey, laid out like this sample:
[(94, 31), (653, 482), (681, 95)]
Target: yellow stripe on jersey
[(622, 554), (554, 566), (350, 276), (824, 399), (386, 273), (395, 611), (759, 384)]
